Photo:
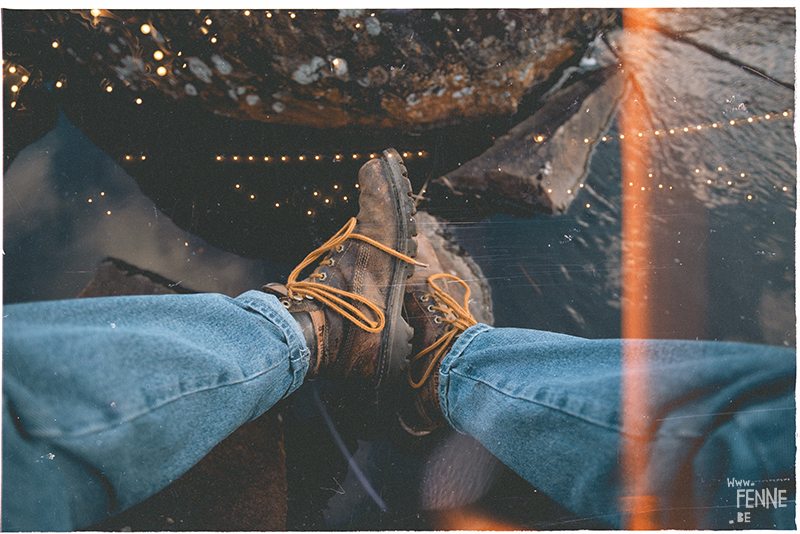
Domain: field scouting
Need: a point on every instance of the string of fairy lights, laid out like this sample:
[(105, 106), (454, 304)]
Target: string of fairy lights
[(164, 56), (722, 176)]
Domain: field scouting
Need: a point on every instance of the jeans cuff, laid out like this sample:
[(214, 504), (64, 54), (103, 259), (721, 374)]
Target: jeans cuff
[(449, 360), (270, 307)]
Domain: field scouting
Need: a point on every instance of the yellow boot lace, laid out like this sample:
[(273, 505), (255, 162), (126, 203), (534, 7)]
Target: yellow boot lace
[(331, 296), (457, 315)]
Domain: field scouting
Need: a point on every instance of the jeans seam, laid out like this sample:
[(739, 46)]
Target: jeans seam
[(142, 413), (598, 424)]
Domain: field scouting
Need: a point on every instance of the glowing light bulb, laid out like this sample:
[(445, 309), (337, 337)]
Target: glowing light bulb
[(292, 15), (269, 15), (767, 116), (138, 101), (639, 134), (604, 138), (301, 158), (657, 132), (588, 205), (732, 122), (250, 158), (749, 119), (95, 12), (109, 88), (336, 186), (235, 158), (213, 39), (284, 158), (586, 140), (161, 71), (238, 186), (14, 88), (219, 158), (697, 170), (317, 157), (316, 193), (622, 136), (108, 212), (209, 22), (539, 138), (145, 29), (686, 129), (252, 197), (12, 69), (13, 104), (246, 12), (24, 79), (158, 55), (714, 125), (55, 44), (277, 205), (344, 198), (671, 131)]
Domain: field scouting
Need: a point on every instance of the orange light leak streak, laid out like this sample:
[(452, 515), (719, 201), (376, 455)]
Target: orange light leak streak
[(636, 283)]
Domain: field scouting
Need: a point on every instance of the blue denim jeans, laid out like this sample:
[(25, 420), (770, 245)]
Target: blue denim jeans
[(106, 401)]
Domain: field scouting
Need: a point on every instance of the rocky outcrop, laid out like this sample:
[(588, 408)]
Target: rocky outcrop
[(410, 69)]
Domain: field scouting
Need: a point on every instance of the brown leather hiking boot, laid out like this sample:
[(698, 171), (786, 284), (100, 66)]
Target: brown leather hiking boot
[(438, 319), (349, 308)]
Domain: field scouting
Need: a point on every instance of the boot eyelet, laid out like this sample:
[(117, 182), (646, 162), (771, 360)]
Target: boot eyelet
[(437, 320), (309, 297), (430, 308), (340, 248), (331, 262), (286, 303), (298, 298), (424, 298), (322, 277)]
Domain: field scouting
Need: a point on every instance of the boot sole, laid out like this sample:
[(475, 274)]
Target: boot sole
[(397, 334)]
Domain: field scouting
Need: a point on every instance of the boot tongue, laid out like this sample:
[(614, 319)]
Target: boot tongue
[(374, 185)]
